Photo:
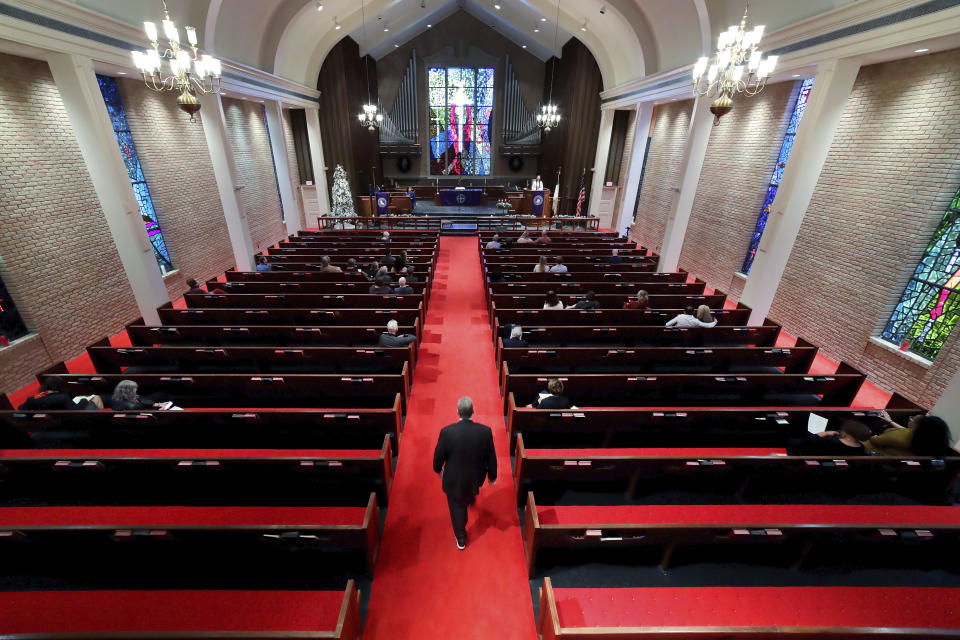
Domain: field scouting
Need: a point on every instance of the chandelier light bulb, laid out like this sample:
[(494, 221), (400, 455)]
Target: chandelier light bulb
[(198, 68), (171, 32), (151, 29), (191, 36)]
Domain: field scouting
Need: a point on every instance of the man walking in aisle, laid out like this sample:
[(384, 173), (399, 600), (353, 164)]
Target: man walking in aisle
[(463, 456)]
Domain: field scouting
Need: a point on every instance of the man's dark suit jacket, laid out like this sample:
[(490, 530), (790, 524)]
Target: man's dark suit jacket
[(465, 454), (514, 343), (553, 402)]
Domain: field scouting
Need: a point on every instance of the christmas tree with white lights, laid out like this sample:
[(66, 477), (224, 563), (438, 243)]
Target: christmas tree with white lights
[(342, 200)]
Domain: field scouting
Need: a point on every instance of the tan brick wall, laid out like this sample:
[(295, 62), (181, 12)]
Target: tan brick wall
[(294, 169), (740, 159), (255, 173), (58, 258), (176, 163), (890, 174), (662, 172)]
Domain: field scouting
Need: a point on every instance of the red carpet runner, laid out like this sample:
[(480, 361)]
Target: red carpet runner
[(424, 586)]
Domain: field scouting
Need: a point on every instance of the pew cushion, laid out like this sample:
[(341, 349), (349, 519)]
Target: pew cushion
[(685, 452), (14, 517), (891, 607), (75, 612), (853, 515)]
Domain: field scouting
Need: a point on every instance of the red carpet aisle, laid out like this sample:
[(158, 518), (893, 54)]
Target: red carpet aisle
[(424, 586)]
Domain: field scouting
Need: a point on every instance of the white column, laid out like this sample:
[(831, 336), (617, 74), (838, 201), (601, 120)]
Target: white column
[(599, 162), (316, 159), (685, 192), (76, 81), (225, 172), (632, 183), (278, 143), (948, 407), (831, 88)]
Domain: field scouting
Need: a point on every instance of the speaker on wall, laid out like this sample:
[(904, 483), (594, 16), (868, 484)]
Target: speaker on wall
[(404, 164), (516, 164)]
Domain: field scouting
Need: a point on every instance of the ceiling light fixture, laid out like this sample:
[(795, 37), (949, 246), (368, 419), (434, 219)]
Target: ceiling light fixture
[(429, 25), (584, 26), (496, 5), (204, 78), (549, 117), (336, 25), (319, 6), (536, 30), (368, 116), (738, 67), (523, 46), (920, 50)]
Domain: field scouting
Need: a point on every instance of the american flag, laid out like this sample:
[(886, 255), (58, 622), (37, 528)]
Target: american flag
[(581, 195)]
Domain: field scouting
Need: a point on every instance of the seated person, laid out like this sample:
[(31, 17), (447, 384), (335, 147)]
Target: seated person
[(387, 260), (615, 258), (515, 341), (391, 339), (642, 301), (385, 237), (402, 287), (496, 276), (558, 266), (326, 267), (705, 317), (125, 398), (687, 320), (543, 238), (262, 264), (848, 442), (525, 238), (541, 266), (495, 243), (407, 272), (400, 262), (381, 286), (552, 301), (352, 265), (552, 398), (924, 435), (194, 286), (53, 396), (588, 302)]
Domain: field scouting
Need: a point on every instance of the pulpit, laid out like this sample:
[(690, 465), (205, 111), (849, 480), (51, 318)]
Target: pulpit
[(527, 204)]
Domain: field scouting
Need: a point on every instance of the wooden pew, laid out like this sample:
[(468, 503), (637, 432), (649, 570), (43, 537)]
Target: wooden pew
[(579, 270), (696, 389), (701, 613), (716, 469), (282, 335), (601, 318), (197, 477), (639, 336), (302, 301), (345, 360), (622, 528), (262, 536), (233, 389), (611, 301), (296, 317), (233, 429), (589, 276), (678, 427), (356, 287), (173, 614), (627, 290), (569, 360)]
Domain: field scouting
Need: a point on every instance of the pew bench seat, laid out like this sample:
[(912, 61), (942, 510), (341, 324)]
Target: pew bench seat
[(182, 614), (748, 612), (615, 527)]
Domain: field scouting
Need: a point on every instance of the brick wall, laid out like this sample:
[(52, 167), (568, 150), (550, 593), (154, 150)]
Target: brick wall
[(662, 173), (176, 163), (294, 166), (56, 253), (890, 174), (251, 149), (740, 158)]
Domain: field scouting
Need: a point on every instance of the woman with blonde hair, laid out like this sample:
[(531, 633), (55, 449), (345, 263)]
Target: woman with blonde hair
[(541, 266), (705, 317), (642, 301)]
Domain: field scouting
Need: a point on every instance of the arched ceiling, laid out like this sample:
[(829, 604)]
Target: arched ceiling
[(629, 38)]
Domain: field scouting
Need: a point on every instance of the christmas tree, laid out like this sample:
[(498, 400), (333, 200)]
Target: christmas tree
[(342, 200)]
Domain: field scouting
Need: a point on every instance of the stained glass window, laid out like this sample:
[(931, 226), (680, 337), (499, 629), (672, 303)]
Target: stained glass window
[(11, 324), (111, 96), (461, 110), (929, 308), (798, 108)]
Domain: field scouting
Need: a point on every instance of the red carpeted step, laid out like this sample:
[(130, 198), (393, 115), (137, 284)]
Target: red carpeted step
[(653, 452), (124, 517), (725, 515), (891, 607), (75, 612)]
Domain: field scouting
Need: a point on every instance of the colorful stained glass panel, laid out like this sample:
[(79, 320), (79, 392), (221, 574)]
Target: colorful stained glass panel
[(461, 108)]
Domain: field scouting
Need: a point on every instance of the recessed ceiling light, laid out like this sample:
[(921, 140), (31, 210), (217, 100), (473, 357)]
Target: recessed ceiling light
[(920, 50), (523, 46), (429, 25), (386, 28), (319, 6), (496, 5), (536, 30), (121, 73), (584, 27), (336, 25), (543, 19), (796, 75)]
